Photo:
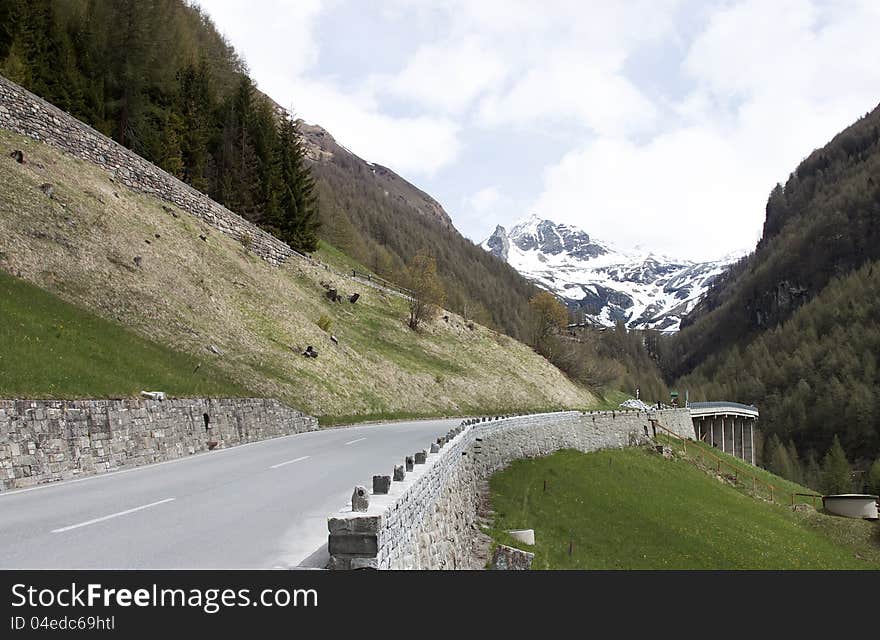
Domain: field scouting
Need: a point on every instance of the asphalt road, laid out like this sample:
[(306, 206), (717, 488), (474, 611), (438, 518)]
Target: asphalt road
[(260, 505)]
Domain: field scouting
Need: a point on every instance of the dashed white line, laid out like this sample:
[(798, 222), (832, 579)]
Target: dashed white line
[(112, 515), (281, 464), (353, 441)]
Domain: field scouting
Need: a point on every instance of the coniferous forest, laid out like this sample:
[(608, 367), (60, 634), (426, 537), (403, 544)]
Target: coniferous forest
[(157, 77), (793, 328)]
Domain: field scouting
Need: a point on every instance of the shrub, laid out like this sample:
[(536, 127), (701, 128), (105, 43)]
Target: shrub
[(325, 323)]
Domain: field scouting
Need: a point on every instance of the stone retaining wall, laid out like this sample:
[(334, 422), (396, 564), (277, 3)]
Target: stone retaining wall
[(27, 114), (428, 520), (50, 440)]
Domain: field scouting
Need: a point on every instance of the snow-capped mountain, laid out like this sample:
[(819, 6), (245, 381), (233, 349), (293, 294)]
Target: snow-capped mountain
[(642, 289)]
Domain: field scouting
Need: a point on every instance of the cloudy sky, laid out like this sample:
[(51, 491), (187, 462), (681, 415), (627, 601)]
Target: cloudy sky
[(658, 123)]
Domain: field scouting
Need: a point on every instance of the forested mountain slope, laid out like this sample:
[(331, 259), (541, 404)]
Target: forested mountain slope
[(823, 223), (382, 220), (814, 375), (793, 328), (157, 77)]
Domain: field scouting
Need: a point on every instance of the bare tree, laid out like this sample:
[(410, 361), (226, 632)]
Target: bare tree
[(426, 289), (549, 317)]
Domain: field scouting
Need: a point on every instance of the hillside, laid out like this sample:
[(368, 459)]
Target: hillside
[(160, 79), (820, 225), (133, 260), (50, 348), (708, 525), (379, 218), (793, 328), (814, 375)]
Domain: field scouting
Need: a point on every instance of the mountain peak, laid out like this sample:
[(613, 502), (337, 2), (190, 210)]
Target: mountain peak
[(644, 289), (498, 243), (545, 236)]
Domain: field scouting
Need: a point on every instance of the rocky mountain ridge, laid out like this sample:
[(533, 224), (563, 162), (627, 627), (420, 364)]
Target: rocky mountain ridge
[(645, 290)]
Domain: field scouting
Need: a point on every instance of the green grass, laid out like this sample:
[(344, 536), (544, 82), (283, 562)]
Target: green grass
[(332, 256), (49, 348), (783, 489), (610, 400), (188, 294), (467, 411), (632, 509)]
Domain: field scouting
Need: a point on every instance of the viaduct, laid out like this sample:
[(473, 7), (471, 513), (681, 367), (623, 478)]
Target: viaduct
[(729, 426)]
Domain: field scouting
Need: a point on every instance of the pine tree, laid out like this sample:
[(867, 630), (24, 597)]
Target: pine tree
[(874, 478), (238, 180), (796, 473), (128, 37), (771, 443), (778, 461), (813, 472), (297, 218), (836, 472), (9, 13), (196, 105)]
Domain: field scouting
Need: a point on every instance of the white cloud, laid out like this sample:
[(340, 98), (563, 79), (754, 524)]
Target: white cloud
[(411, 145), (446, 76), (622, 192), (678, 154), (566, 88), (482, 201), (278, 40), (275, 37), (772, 81)]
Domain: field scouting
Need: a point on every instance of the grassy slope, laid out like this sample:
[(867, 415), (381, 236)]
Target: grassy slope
[(189, 294), (51, 348), (782, 488), (631, 509)]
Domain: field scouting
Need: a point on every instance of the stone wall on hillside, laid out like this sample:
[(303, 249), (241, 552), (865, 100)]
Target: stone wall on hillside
[(49, 440), (27, 114), (429, 519)]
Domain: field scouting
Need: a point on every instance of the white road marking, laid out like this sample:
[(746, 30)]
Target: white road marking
[(112, 515), (281, 464), (353, 441)]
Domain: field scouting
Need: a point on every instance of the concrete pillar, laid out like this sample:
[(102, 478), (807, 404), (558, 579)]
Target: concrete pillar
[(752, 438), (738, 452), (722, 434), (747, 440)]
